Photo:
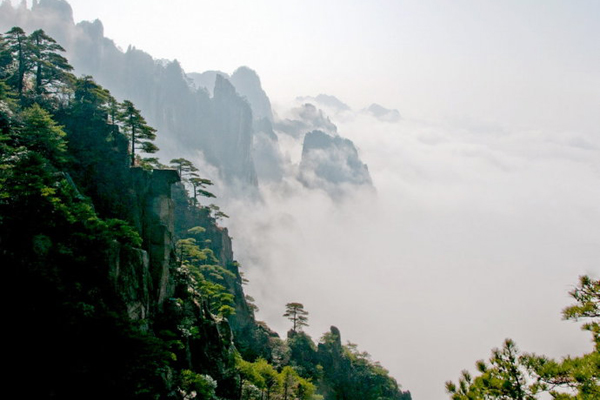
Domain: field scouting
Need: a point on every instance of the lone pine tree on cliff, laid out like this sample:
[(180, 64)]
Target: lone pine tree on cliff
[(296, 313), (140, 134)]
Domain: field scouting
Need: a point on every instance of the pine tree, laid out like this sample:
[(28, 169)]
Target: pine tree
[(199, 186), (140, 134), (184, 167), (50, 66), (295, 312), (19, 48)]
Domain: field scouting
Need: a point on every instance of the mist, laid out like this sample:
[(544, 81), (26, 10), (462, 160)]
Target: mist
[(477, 225), (474, 234)]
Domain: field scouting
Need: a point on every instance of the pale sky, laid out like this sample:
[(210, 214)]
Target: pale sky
[(527, 63)]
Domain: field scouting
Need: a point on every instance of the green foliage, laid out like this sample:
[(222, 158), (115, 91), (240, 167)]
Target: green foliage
[(199, 188), (41, 134), (505, 377), (140, 134), (350, 374), (50, 67), (303, 355), (19, 49), (185, 168), (66, 203), (197, 386), (34, 66), (296, 313), (123, 232), (587, 296), (216, 213), (512, 375), (204, 276)]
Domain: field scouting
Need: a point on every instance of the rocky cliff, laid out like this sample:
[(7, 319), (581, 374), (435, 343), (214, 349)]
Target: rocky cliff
[(329, 162), (190, 121)]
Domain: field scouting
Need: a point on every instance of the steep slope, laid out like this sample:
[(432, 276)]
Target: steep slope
[(187, 118)]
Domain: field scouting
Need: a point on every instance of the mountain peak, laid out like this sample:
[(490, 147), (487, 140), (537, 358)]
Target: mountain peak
[(60, 8)]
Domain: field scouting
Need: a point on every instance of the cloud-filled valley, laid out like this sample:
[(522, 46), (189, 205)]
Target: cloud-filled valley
[(472, 236), (427, 241)]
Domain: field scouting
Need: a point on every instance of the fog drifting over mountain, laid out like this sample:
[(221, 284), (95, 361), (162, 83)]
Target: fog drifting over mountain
[(484, 212), (474, 235)]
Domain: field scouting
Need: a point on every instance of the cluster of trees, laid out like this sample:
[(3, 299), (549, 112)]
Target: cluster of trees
[(203, 275), (512, 375), (66, 207), (339, 371), (64, 179), (261, 380), (34, 67)]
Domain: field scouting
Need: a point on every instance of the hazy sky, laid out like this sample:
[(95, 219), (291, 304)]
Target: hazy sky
[(487, 191), (527, 62)]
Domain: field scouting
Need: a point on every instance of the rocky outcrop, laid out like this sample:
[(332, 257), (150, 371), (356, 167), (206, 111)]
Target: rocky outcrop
[(330, 162), (188, 120), (304, 119), (129, 273), (155, 220), (247, 84), (232, 134)]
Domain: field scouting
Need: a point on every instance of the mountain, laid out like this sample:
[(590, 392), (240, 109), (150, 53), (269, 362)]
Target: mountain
[(304, 119), (383, 113), (222, 122), (327, 101), (187, 118), (330, 162), (125, 284)]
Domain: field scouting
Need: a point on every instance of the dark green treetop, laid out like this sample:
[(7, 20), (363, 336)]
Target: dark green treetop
[(140, 134), (185, 167), (199, 187), (50, 66), (19, 48), (296, 313), (510, 374)]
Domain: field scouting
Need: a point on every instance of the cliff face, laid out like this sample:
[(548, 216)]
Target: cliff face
[(330, 162), (155, 294), (155, 220), (190, 121), (232, 134)]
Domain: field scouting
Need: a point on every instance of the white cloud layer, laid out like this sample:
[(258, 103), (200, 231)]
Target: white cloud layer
[(476, 233)]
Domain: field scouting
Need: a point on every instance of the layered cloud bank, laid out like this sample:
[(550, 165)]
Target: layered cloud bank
[(457, 235), (473, 235)]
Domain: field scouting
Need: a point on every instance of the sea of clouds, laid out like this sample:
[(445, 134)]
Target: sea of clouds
[(475, 233)]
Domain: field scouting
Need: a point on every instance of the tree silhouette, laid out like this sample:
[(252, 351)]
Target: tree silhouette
[(184, 167), (50, 66), (296, 313), (199, 185), (19, 47), (136, 129)]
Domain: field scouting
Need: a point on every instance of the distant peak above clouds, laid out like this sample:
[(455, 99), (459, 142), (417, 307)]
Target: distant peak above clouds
[(247, 84), (382, 113), (205, 80), (305, 118), (325, 100), (330, 162)]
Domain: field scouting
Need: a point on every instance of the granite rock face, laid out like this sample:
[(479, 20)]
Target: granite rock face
[(329, 162), (247, 84), (304, 119), (232, 134), (191, 122)]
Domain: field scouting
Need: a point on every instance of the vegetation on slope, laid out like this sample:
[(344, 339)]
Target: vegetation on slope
[(89, 315)]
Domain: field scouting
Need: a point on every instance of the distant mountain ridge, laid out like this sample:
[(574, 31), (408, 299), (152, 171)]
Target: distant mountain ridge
[(223, 120)]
